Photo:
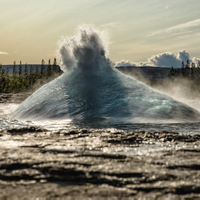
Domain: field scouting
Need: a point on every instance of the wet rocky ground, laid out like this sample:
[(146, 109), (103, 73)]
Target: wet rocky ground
[(98, 164)]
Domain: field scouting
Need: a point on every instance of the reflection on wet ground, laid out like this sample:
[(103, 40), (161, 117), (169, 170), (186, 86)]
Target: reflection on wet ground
[(183, 128), (66, 159), (98, 164)]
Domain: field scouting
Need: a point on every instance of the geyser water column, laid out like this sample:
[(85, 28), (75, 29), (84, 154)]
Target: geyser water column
[(91, 87)]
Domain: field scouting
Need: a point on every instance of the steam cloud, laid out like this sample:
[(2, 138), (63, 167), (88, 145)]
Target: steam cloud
[(84, 50), (166, 59)]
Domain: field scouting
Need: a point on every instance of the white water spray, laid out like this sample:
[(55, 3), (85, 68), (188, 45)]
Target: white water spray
[(92, 88)]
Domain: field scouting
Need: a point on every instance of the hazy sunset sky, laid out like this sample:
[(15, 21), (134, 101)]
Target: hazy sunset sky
[(138, 29)]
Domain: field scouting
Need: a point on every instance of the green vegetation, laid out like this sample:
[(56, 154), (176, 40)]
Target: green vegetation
[(25, 79), (188, 71), (187, 78)]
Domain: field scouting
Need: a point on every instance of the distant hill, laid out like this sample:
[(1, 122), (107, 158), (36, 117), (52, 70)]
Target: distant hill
[(147, 72)]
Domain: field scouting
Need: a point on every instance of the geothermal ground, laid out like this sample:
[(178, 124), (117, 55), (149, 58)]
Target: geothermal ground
[(97, 163)]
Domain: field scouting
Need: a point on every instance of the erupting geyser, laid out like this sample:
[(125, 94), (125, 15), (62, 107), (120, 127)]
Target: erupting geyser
[(91, 87)]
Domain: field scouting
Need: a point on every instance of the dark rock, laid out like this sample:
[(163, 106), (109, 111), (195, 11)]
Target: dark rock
[(25, 130), (84, 131), (73, 132)]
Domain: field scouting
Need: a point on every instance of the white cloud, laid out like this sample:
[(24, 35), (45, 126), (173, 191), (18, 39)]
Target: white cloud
[(178, 28), (195, 60), (111, 24), (3, 53), (186, 25), (183, 56), (129, 63), (166, 59), (125, 63)]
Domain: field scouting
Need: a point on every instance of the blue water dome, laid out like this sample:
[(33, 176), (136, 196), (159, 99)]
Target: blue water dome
[(91, 88)]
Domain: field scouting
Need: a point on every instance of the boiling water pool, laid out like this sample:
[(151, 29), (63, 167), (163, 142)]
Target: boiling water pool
[(61, 125), (65, 125)]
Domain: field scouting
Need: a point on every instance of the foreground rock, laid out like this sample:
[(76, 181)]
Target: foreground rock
[(82, 164)]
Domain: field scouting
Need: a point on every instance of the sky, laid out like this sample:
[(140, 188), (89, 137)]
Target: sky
[(141, 32)]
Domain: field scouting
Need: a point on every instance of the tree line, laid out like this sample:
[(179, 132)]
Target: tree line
[(27, 78), (188, 75), (187, 70)]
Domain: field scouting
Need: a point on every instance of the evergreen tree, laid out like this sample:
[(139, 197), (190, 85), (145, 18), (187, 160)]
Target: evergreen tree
[(14, 75), (31, 76), (183, 68), (3, 81), (1, 78), (193, 70), (20, 69), (188, 63), (15, 85), (21, 82), (187, 68), (183, 65), (37, 73), (26, 71), (31, 70), (8, 80), (49, 69), (0, 68), (37, 70), (55, 66), (198, 69), (2, 72), (171, 72), (42, 68), (26, 77), (198, 65)]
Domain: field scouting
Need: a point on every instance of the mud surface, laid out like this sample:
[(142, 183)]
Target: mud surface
[(90, 163)]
